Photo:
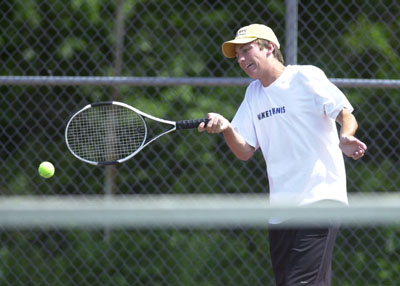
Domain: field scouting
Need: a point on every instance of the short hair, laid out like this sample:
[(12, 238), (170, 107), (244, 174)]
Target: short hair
[(263, 44)]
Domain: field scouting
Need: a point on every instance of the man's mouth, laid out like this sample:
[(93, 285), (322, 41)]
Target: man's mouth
[(248, 66)]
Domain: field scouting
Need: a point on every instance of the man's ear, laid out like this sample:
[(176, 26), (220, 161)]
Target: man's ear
[(270, 49)]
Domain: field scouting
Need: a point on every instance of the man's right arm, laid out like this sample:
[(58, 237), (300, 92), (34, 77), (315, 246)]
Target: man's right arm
[(237, 144), (219, 124)]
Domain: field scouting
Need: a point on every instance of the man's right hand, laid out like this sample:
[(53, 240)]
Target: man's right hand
[(216, 124)]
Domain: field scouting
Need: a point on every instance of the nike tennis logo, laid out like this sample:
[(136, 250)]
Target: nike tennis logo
[(271, 112)]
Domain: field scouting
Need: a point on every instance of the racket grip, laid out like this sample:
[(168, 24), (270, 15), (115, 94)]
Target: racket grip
[(190, 124)]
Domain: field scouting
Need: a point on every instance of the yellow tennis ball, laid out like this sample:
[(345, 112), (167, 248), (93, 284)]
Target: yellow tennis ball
[(46, 170)]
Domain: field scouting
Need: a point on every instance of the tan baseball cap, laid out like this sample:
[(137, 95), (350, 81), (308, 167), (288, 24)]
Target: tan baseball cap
[(248, 34)]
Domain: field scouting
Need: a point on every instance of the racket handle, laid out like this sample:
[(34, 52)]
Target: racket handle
[(190, 124)]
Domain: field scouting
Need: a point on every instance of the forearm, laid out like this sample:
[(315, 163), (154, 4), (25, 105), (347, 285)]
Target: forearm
[(237, 144), (348, 123), (350, 145), (219, 124)]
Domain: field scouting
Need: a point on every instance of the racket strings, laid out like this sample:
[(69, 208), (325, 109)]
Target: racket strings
[(106, 133)]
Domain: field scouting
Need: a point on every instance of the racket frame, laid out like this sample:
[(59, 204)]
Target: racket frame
[(141, 114)]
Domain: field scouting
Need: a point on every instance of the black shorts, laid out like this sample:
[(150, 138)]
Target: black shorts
[(302, 256)]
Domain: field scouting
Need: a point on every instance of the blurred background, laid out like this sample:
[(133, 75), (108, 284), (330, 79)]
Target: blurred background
[(348, 39)]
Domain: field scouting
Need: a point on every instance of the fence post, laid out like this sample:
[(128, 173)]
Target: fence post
[(291, 32)]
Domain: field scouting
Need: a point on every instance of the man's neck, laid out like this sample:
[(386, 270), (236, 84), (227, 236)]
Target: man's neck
[(272, 74)]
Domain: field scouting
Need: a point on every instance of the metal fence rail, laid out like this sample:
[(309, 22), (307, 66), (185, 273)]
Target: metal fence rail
[(170, 81)]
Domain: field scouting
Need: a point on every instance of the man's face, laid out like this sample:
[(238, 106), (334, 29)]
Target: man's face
[(251, 59)]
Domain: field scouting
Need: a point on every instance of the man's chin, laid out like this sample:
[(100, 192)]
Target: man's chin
[(251, 75)]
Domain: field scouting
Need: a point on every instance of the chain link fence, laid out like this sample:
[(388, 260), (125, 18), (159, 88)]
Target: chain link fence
[(152, 40)]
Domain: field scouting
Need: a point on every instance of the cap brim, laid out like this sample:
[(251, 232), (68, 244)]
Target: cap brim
[(228, 48)]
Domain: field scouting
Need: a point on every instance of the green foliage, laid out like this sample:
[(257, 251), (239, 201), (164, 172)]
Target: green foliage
[(360, 250), (373, 38), (135, 258)]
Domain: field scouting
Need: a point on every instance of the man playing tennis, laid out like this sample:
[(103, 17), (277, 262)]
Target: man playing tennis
[(290, 113)]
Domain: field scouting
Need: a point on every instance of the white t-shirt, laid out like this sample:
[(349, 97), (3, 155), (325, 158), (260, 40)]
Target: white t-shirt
[(293, 122)]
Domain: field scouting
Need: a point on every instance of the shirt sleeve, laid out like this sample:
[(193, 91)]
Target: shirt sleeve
[(329, 99), (243, 123)]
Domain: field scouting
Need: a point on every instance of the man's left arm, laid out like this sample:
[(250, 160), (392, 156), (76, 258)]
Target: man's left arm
[(350, 145)]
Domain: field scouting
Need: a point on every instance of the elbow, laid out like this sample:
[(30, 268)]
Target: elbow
[(244, 156)]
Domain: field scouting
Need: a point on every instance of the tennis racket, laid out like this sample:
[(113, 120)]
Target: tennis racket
[(108, 133)]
